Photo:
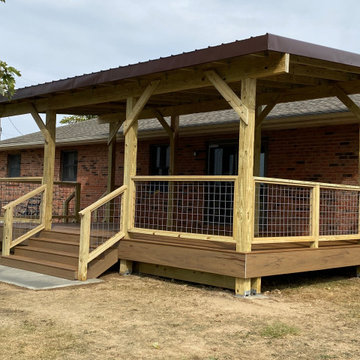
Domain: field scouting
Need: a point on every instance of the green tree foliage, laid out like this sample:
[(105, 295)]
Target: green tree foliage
[(7, 77), (72, 119)]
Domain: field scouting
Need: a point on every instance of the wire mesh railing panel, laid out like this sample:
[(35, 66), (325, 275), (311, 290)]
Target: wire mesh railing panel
[(64, 202), (339, 212), (195, 207), (105, 222), (282, 210), (26, 216), (10, 191)]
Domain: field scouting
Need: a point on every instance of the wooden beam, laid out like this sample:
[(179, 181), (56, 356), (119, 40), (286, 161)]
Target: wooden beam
[(170, 82), (298, 59), (264, 113), (278, 262), (209, 260), (322, 73), (163, 123), (49, 166), (309, 92), (39, 122), (347, 101), (113, 130), (135, 112), (228, 94)]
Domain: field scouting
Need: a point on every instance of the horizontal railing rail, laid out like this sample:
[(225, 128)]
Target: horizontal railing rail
[(194, 207), (101, 228), (23, 218), (304, 211)]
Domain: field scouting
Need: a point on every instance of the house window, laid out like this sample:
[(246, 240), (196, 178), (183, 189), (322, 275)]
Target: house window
[(159, 159), (69, 165), (14, 161), (223, 158)]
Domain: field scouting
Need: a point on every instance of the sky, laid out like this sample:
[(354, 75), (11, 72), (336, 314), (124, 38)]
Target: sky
[(49, 40)]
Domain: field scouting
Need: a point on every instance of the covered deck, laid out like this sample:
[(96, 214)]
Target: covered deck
[(230, 230)]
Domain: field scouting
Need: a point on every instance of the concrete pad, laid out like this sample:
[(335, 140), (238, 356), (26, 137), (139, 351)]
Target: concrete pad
[(35, 281)]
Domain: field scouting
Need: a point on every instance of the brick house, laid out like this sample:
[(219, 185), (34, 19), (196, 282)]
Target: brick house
[(211, 195)]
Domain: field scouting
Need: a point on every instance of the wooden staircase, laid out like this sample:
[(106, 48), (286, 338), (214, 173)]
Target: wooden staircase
[(57, 253)]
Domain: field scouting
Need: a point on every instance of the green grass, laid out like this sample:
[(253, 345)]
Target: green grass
[(278, 330)]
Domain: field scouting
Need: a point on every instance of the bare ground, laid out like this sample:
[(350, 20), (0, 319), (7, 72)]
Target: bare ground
[(311, 316)]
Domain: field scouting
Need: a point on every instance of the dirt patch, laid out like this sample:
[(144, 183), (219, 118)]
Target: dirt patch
[(138, 317)]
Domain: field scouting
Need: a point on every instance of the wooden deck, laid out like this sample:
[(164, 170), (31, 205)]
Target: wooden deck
[(217, 263)]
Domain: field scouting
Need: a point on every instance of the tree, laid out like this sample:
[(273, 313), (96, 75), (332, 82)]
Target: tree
[(72, 119), (7, 77)]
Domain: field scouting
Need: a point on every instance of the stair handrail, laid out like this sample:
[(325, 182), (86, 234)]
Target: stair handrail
[(8, 242), (85, 256)]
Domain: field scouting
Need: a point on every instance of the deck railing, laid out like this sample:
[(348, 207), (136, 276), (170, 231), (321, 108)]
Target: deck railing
[(23, 218), (101, 227), (66, 196), (302, 211), (185, 206)]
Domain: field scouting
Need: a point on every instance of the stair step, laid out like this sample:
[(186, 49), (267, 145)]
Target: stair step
[(40, 253), (41, 266), (54, 244), (68, 237)]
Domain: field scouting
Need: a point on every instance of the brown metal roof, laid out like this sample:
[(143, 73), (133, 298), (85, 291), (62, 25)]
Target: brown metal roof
[(267, 42)]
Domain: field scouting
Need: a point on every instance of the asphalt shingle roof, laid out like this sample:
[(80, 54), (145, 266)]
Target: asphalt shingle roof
[(91, 130)]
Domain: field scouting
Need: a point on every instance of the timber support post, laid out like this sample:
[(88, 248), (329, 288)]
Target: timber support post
[(113, 128), (245, 189), (130, 154), (49, 165)]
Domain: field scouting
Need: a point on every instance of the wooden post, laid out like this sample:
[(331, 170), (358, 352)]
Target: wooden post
[(174, 136), (111, 167), (173, 144), (315, 215), (256, 282), (49, 164), (77, 201), (244, 187), (84, 245), (7, 232), (130, 154), (111, 158)]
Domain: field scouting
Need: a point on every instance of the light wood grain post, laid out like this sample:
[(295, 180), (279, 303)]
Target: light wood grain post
[(111, 168), (130, 155), (7, 232), (174, 136), (315, 215), (49, 165), (244, 191), (84, 245), (256, 282)]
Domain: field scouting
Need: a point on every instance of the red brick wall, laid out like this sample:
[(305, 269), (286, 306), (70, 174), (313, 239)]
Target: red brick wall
[(328, 154)]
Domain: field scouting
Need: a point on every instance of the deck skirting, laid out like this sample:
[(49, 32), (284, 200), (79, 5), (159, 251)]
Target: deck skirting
[(227, 262)]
